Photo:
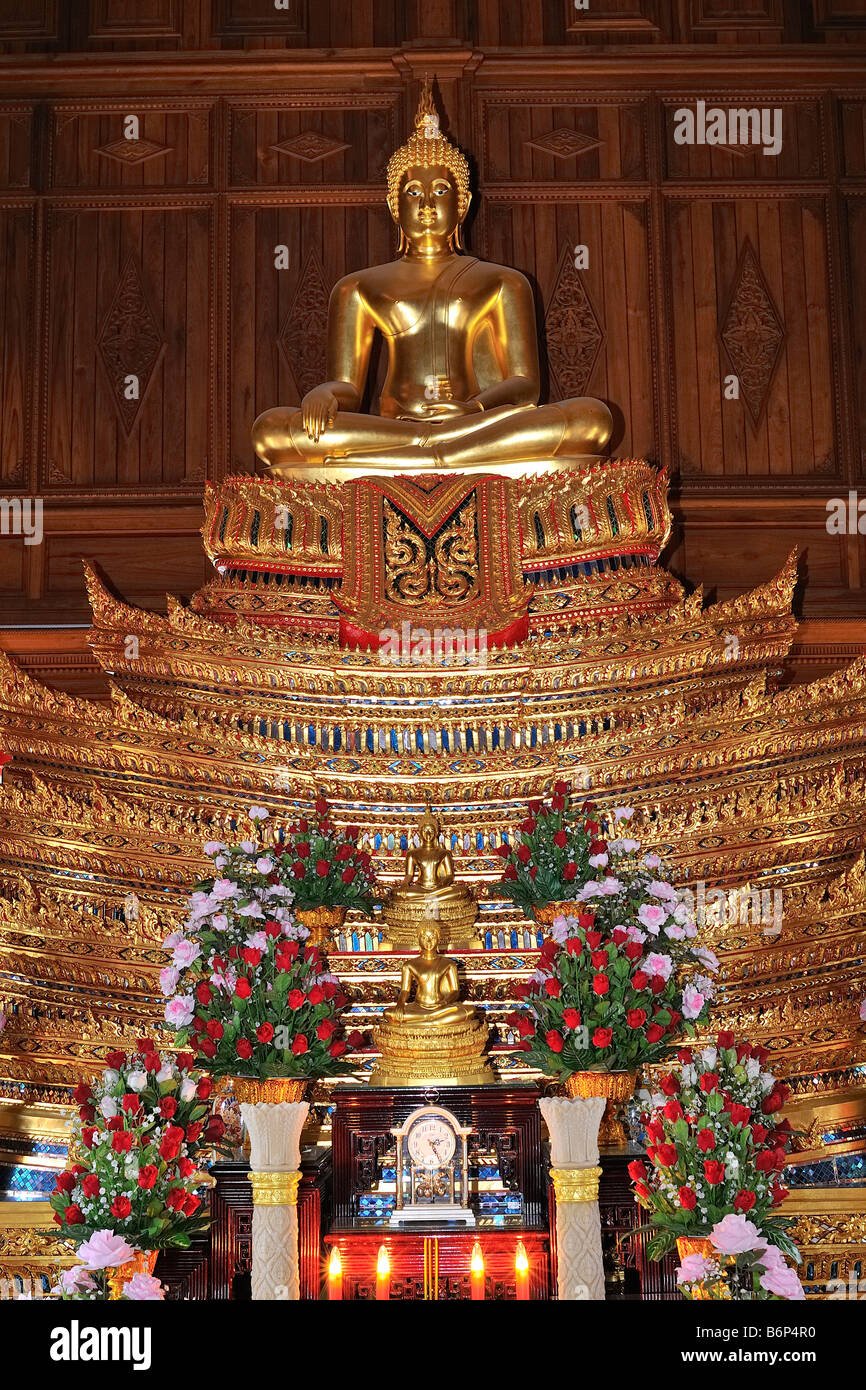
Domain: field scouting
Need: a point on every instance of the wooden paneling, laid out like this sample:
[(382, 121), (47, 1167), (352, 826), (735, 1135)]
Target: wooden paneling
[(736, 14), (241, 18), (16, 141), (595, 322), (17, 308), (802, 150), (30, 19), (855, 221), (749, 296), (278, 317), (134, 19), (839, 14), (551, 138), (128, 310), (312, 140), (96, 145)]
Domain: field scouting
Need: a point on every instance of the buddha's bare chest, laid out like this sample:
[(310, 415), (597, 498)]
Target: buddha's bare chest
[(417, 306)]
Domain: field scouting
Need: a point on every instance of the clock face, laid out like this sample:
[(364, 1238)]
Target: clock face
[(431, 1142)]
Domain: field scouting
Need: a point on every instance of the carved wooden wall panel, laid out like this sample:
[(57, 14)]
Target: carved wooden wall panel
[(312, 140), (749, 296), (278, 316), (127, 297), (16, 145), (855, 209), (134, 19), (550, 138), (17, 309), (802, 149), (595, 322), (90, 146)]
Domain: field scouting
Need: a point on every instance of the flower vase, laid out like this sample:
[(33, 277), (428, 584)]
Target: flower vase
[(546, 913), (321, 923), (142, 1262), (615, 1087), (695, 1245), (272, 1090)]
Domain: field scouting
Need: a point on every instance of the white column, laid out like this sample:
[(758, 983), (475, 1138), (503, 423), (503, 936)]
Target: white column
[(573, 1127), (275, 1160)]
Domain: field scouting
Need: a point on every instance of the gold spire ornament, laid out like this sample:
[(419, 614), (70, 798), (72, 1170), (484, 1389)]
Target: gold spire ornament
[(429, 1036), (429, 892)]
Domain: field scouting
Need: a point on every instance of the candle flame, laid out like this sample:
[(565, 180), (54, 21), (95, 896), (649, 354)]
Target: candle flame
[(476, 1264), (383, 1262), (335, 1263), (521, 1262)]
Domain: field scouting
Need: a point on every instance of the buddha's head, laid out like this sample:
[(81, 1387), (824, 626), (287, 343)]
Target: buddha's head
[(428, 186), (428, 829), (428, 937)]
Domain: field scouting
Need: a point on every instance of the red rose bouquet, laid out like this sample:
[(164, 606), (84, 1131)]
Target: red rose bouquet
[(247, 990), (715, 1147), (324, 867), (555, 851), (135, 1143), (618, 978)]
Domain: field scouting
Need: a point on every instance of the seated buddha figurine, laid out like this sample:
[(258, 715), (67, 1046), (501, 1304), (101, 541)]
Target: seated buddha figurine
[(462, 384), (429, 892), (428, 1035)]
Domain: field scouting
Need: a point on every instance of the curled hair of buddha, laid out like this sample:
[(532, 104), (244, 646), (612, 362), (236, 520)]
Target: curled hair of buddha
[(427, 148)]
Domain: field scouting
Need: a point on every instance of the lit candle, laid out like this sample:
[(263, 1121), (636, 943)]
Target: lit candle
[(383, 1274), (476, 1267), (335, 1275), (521, 1269)]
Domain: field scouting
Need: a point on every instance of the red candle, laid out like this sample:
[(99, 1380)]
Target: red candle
[(476, 1271), (383, 1274), (521, 1270), (335, 1275)]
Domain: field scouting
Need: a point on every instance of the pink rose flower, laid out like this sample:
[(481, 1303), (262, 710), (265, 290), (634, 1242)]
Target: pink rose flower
[(734, 1235), (104, 1250)]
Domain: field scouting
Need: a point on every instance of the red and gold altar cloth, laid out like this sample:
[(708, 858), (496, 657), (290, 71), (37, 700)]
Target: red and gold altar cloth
[(433, 552)]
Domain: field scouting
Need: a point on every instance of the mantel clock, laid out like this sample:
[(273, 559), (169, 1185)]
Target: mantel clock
[(433, 1144)]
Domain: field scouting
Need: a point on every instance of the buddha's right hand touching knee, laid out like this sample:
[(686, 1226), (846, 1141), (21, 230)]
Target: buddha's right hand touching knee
[(318, 411)]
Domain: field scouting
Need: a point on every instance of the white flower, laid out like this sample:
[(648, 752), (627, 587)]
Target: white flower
[(187, 1089), (598, 861), (257, 941), (659, 964), (693, 1002), (659, 889), (609, 887), (137, 1080), (674, 932), (559, 930), (258, 813), (166, 1072), (252, 909), (171, 940), (753, 1068), (627, 846), (767, 1081), (652, 861), (265, 865), (224, 888), (76, 1280), (623, 812), (110, 1078), (168, 978), (213, 847), (185, 952), (220, 922), (249, 846), (105, 1250), (108, 1107), (179, 1010), (709, 1057)]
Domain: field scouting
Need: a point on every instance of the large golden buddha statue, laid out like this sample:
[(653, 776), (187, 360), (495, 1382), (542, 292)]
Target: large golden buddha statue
[(462, 381)]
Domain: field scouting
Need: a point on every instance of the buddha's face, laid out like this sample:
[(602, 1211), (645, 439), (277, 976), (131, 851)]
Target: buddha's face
[(427, 209), (428, 938)]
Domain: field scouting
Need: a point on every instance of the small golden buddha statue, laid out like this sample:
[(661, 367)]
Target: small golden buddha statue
[(462, 384), (432, 1037), (429, 892)]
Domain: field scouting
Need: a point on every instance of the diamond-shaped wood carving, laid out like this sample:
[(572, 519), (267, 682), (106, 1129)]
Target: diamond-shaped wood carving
[(573, 331), (130, 342), (752, 332), (131, 151), (563, 143), (311, 146), (303, 335)]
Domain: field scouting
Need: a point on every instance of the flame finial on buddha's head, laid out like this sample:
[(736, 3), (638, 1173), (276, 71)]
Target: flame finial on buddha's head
[(426, 148)]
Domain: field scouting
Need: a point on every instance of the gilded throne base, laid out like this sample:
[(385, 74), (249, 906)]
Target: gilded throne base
[(416, 1056)]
